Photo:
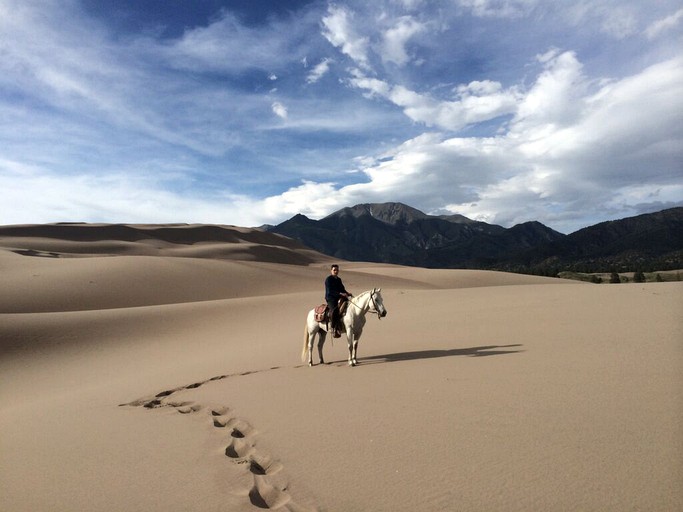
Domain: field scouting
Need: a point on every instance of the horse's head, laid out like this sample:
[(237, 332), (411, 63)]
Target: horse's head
[(378, 303)]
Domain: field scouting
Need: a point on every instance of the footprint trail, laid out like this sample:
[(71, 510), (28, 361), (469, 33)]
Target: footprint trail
[(269, 485)]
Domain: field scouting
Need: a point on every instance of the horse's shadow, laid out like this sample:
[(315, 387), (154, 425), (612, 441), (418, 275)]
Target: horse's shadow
[(484, 351)]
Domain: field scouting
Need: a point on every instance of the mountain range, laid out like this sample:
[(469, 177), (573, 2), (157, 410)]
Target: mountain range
[(397, 233)]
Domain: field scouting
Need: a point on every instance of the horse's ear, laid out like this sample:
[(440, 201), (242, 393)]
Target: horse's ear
[(378, 290)]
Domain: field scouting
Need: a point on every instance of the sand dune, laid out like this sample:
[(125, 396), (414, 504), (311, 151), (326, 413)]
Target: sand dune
[(157, 368), (194, 241)]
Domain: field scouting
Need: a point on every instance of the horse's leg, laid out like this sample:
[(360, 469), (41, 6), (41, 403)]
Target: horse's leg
[(351, 341), (311, 341), (354, 353), (322, 334)]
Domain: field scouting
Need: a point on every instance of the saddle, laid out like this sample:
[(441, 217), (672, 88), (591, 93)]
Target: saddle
[(321, 313)]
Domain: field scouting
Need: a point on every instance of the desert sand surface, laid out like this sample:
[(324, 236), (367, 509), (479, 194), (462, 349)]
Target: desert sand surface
[(158, 368)]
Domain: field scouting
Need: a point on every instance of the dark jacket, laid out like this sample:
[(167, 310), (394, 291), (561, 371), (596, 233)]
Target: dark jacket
[(333, 288)]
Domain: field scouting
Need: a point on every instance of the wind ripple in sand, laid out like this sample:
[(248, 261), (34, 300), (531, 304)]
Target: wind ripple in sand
[(269, 488)]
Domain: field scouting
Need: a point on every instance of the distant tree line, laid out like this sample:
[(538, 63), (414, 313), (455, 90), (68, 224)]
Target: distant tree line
[(628, 263)]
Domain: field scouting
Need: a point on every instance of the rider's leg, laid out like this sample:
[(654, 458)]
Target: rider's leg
[(334, 318)]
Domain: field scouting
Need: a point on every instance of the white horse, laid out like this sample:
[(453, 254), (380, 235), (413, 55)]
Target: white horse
[(354, 319)]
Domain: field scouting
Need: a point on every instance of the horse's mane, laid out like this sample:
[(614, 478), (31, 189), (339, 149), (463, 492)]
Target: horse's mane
[(366, 292)]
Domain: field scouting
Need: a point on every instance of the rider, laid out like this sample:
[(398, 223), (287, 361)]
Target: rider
[(334, 290)]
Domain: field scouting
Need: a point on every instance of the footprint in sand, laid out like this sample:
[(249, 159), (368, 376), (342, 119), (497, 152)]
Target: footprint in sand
[(220, 421), (265, 495), (239, 448), (238, 427), (166, 393), (187, 407), (220, 417), (262, 465)]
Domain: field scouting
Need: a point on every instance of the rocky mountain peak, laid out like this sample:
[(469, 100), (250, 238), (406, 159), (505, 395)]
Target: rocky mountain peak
[(389, 213)]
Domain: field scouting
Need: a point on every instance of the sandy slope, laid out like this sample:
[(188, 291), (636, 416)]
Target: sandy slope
[(479, 391)]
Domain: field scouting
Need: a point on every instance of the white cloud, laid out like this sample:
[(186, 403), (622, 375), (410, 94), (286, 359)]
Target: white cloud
[(396, 38), (498, 8), (620, 23), (119, 196), (475, 102), (614, 18), (555, 97), (227, 45), (279, 109), (662, 26), (479, 88), (318, 71), (341, 33), (311, 199)]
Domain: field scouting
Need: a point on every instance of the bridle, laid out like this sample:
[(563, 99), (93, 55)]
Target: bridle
[(374, 308)]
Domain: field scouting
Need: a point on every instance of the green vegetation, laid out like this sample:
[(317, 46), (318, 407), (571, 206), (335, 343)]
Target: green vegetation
[(623, 277)]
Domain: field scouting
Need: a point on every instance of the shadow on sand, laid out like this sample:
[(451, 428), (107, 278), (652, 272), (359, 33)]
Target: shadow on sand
[(489, 350)]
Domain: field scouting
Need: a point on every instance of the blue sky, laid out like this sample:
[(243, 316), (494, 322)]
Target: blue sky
[(248, 112)]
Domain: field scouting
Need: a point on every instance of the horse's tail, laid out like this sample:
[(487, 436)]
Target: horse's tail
[(304, 351)]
